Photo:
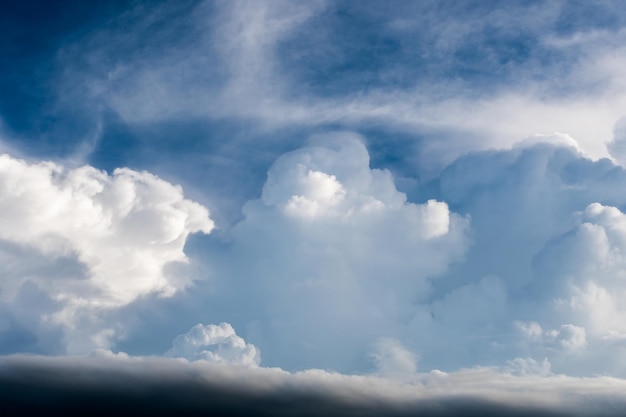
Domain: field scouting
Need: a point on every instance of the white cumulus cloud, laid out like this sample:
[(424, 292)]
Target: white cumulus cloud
[(214, 343), (88, 240), (333, 253)]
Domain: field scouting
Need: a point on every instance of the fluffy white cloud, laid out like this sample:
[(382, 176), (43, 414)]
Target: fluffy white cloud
[(88, 240), (571, 338), (553, 258), (332, 258), (333, 254), (214, 343), (582, 306)]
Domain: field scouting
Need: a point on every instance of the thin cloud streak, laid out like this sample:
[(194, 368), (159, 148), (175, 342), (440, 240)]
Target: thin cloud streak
[(241, 46)]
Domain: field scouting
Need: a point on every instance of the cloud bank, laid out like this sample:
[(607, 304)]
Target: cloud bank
[(513, 257), (105, 383)]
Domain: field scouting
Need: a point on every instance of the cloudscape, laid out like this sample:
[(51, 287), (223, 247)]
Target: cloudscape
[(275, 207)]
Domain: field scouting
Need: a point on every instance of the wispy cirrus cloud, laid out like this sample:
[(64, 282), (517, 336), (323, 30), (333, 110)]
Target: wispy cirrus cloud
[(247, 63)]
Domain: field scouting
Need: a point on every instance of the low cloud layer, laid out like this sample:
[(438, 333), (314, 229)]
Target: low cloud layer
[(105, 383)]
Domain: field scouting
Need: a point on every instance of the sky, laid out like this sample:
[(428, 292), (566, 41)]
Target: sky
[(418, 202)]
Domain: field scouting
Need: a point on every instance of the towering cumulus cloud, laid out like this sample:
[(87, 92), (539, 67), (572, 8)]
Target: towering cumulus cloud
[(335, 256), (78, 241), (585, 318), (545, 269)]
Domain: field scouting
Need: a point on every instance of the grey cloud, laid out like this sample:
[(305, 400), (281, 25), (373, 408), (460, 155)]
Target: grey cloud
[(104, 383)]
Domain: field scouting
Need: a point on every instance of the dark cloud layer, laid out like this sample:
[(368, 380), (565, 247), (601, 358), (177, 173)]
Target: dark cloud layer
[(110, 385)]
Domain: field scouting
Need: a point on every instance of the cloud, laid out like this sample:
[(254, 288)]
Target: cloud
[(572, 338), (508, 256), (330, 231), (394, 360), (472, 248), (214, 343), (528, 366), (543, 276), (471, 76), (617, 147), (492, 266), (585, 266), (229, 86), (106, 383), (89, 241)]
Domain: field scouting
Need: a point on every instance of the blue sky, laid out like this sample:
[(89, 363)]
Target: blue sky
[(383, 189)]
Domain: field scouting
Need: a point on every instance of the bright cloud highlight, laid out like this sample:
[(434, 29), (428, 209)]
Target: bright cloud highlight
[(332, 248), (214, 343), (119, 235)]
